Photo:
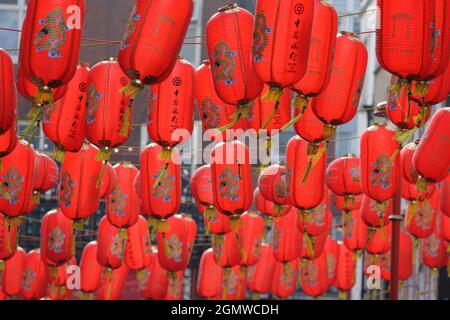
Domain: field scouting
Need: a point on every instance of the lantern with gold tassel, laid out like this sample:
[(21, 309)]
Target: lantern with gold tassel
[(111, 246), (284, 279), (90, 271), (273, 185), (113, 284), (34, 280)]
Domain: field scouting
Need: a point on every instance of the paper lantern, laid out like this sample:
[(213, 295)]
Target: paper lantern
[(90, 270), (340, 203), (209, 276), (405, 265), (108, 182), (434, 247), (227, 250), (11, 275), (420, 217), (284, 279), (251, 236), (287, 240), (8, 99), (309, 127), (354, 231), (445, 195), (111, 245), (269, 208), (315, 221), (272, 184), (9, 237), (379, 240), (345, 275), (314, 276), (34, 279), (154, 282), (113, 284), (138, 251), (234, 284), (46, 173), (313, 246), (201, 186), (372, 215), (331, 252), (260, 275)]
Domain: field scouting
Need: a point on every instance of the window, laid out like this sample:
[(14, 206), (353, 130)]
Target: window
[(12, 13), (190, 51)]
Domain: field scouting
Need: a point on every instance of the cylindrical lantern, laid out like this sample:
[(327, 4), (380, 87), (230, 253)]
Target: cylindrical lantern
[(345, 276), (343, 177), (8, 98), (34, 280), (284, 279), (250, 236), (269, 208), (331, 252), (90, 270), (354, 231), (154, 282), (109, 181), (314, 276), (113, 284), (287, 239), (209, 276), (273, 184), (260, 275), (139, 253), (374, 216), (11, 275), (111, 245)]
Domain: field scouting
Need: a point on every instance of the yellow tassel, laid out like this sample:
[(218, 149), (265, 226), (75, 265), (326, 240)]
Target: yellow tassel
[(78, 224), (36, 197), (241, 249), (300, 102), (242, 112), (140, 275), (419, 120), (273, 94), (44, 96), (235, 222), (329, 130), (227, 277), (58, 154), (397, 86), (272, 114), (421, 184), (53, 272), (255, 296), (160, 176), (416, 244), (309, 245), (287, 270), (1, 165), (109, 274), (278, 210), (126, 123), (133, 89), (2, 265), (162, 226), (420, 89), (165, 154), (342, 295), (104, 155), (391, 160), (349, 200), (308, 170), (33, 115), (413, 205), (403, 136)]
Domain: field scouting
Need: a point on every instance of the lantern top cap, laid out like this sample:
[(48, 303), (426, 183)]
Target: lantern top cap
[(230, 8), (380, 110)]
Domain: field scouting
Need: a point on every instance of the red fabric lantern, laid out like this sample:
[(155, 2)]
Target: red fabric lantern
[(379, 240), (34, 280), (406, 156), (139, 253), (265, 113), (123, 204), (315, 221), (8, 99), (234, 284), (379, 163), (445, 195), (109, 181), (108, 111), (405, 37), (345, 275), (231, 178), (227, 250), (16, 180), (173, 248), (280, 61), (331, 252), (77, 191), (8, 142), (50, 45), (287, 240), (171, 107), (321, 51), (57, 280), (47, 173), (354, 231), (284, 279), (160, 182), (152, 40), (64, 120), (218, 223), (343, 177), (340, 203), (192, 228), (420, 217), (260, 275), (432, 159), (434, 248), (90, 270), (11, 276), (371, 214), (269, 208), (405, 260), (412, 193), (8, 239), (113, 283), (229, 39), (175, 287), (305, 173), (57, 245), (111, 245), (445, 225), (273, 184), (209, 276), (309, 127), (346, 83), (154, 282), (313, 246), (314, 276), (251, 236), (214, 113)]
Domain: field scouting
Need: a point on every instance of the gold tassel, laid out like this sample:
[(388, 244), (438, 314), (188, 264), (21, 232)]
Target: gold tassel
[(397, 86), (349, 200), (104, 155), (413, 205), (416, 244), (78, 224), (53, 272), (44, 96), (300, 102), (124, 129), (329, 130), (421, 184), (2, 265), (36, 197), (272, 114), (310, 245), (241, 249), (165, 154), (133, 89), (235, 222), (58, 154), (242, 112), (420, 89), (390, 162), (315, 153), (287, 269), (273, 94), (342, 295), (255, 296), (209, 213), (227, 276), (403, 136), (140, 275), (160, 176), (162, 226), (109, 275)]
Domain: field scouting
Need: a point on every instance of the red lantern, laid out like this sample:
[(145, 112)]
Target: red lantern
[(173, 248), (218, 223), (154, 283), (214, 113), (331, 252), (139, 253), (445, 195), (434, 248), (9, 237), (90, 270), (343, 177), (201, 186), (345, 275), (160, 182), (152, 41), (234, 284), (11, 276), (411, 193), (432, 159), (113, 283), (175, 287), (16, 180), (64, 120), (305, 173), (261, 274), (340, 203), (280, 61), (111, 245), (314, 276), (406, 156), (50, 45), (313, 246), (57, 245), (371, 214), (309, 127), (284, 279), (8, 142), (346, 83), (251, 237), (209, 276), (229, 41), (379, 240), (192, 228), (47, 173), (108, 111), (445, 225), (273, 184), (287, 240), (171, 107), (231, 175), (78, 192), (405, 260), (379, 163), (8, 99), (123, 204), (420, 217), (57, 279), (227, 250), (354, 231), (265, 113), (321, 53), (269, 208), (109, 181), (315, 221), (34, 280)]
